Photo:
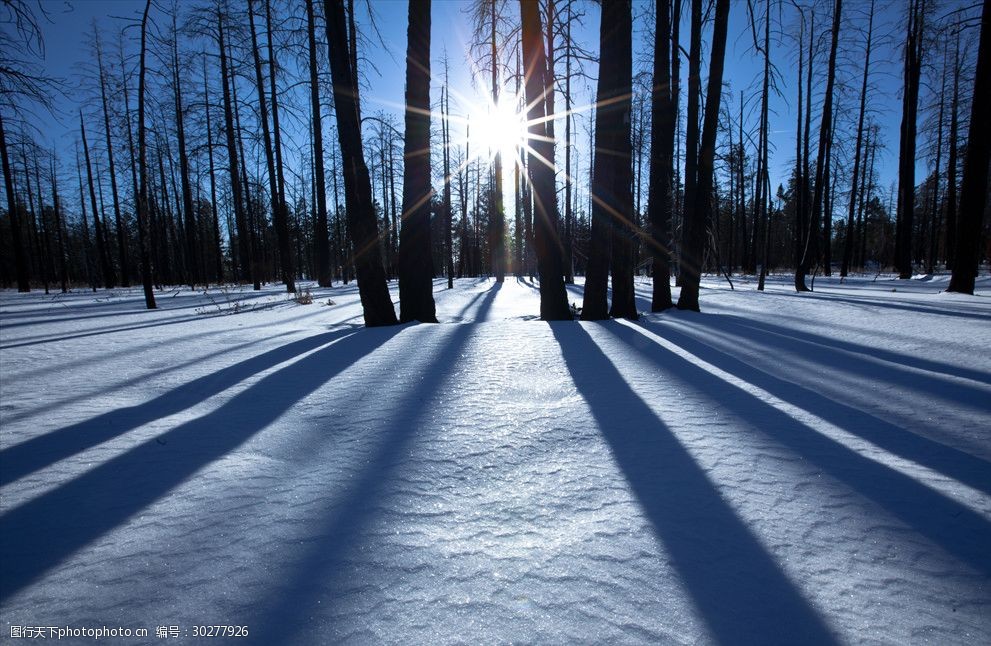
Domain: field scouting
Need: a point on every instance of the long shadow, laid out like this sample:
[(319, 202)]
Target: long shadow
[(41, 317), (741, 592), (42, 450), (41, 533), (759, 330), (296, 597), (949, 524), (957, 464), (40, 339), (53, 404), (903, 307)]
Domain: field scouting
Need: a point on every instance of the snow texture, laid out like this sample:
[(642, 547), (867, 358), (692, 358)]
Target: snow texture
[(782, 468)]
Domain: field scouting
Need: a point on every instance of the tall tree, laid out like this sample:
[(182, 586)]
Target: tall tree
[(553, 296), (974, 190), (914, 49), (698, 206), (951, 163), (279, 210), (243, 256), (321, 239), (858, 148), (122, 254), (372, 288), (612, 197), (416, 299), (193, 273), (106, 266), (659, 193), (811, 244), (143, 170)]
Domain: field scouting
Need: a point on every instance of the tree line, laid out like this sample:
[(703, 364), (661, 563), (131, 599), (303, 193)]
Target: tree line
[(176, 181)]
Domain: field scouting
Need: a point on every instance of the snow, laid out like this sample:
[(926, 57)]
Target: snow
[(782, 468)]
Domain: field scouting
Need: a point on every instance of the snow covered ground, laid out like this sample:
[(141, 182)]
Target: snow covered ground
[(782, 468)]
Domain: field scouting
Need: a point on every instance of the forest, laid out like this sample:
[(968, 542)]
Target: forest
[(495, 321), (183, 170)]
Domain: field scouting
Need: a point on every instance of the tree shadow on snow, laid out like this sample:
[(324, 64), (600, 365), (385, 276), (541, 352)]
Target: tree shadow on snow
[(41, 533), (762, 332), (945, 522), (741, 593), (299, 593), (41, 451), (954, 463)]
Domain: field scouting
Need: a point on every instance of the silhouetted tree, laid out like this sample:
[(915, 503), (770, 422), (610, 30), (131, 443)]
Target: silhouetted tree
[(974, 190), (416, 300)]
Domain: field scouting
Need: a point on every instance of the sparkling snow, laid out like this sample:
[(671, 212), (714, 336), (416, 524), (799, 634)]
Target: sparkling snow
[(782, 468)]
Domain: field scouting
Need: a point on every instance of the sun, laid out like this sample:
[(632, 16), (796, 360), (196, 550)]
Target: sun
[(498, 128)]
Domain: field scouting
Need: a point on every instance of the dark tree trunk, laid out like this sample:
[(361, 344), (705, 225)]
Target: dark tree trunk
[(951, 166), (848, 244), (244, 261), (106, 267), (372, 287), (659, 193), (906, 156), (282, 231), (143, 173), (219, 267), (497, 223), (763, 180), (321, 240), (59, 236), (620, 155), (811, 251), (20, 257), (697, 211), (193, 273), (448, 236), (974, 190), (275, 188), (416, 299), (125, 280), (553, 296)]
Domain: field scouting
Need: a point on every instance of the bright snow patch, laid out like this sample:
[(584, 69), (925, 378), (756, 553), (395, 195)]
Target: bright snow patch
[(782, 468)]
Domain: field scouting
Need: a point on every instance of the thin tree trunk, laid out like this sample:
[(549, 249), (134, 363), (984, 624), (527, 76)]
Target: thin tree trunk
[(321, 240), (906, 157), (118, 221), (951, 166), (659, 192), (192, 265), (20, 258), (372, 287), (811, 241), (143, 172), (244, 261), (697, 219), (106, 268), (848, 245)]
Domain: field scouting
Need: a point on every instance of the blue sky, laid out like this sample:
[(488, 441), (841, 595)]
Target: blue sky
[(71, 20)]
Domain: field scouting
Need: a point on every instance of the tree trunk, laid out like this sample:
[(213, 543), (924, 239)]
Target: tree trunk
[(848, 245), (20, 257), (553, 296), (620, 155), (659, 192), (125, 280), (973, 191), (372, 287), (416, 300), (243, 256), (811, 251), (951, 166), (906, 156), (697, 211), (106, 268), (275, 189), (192, 264), (321, 239), (143, 172)]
